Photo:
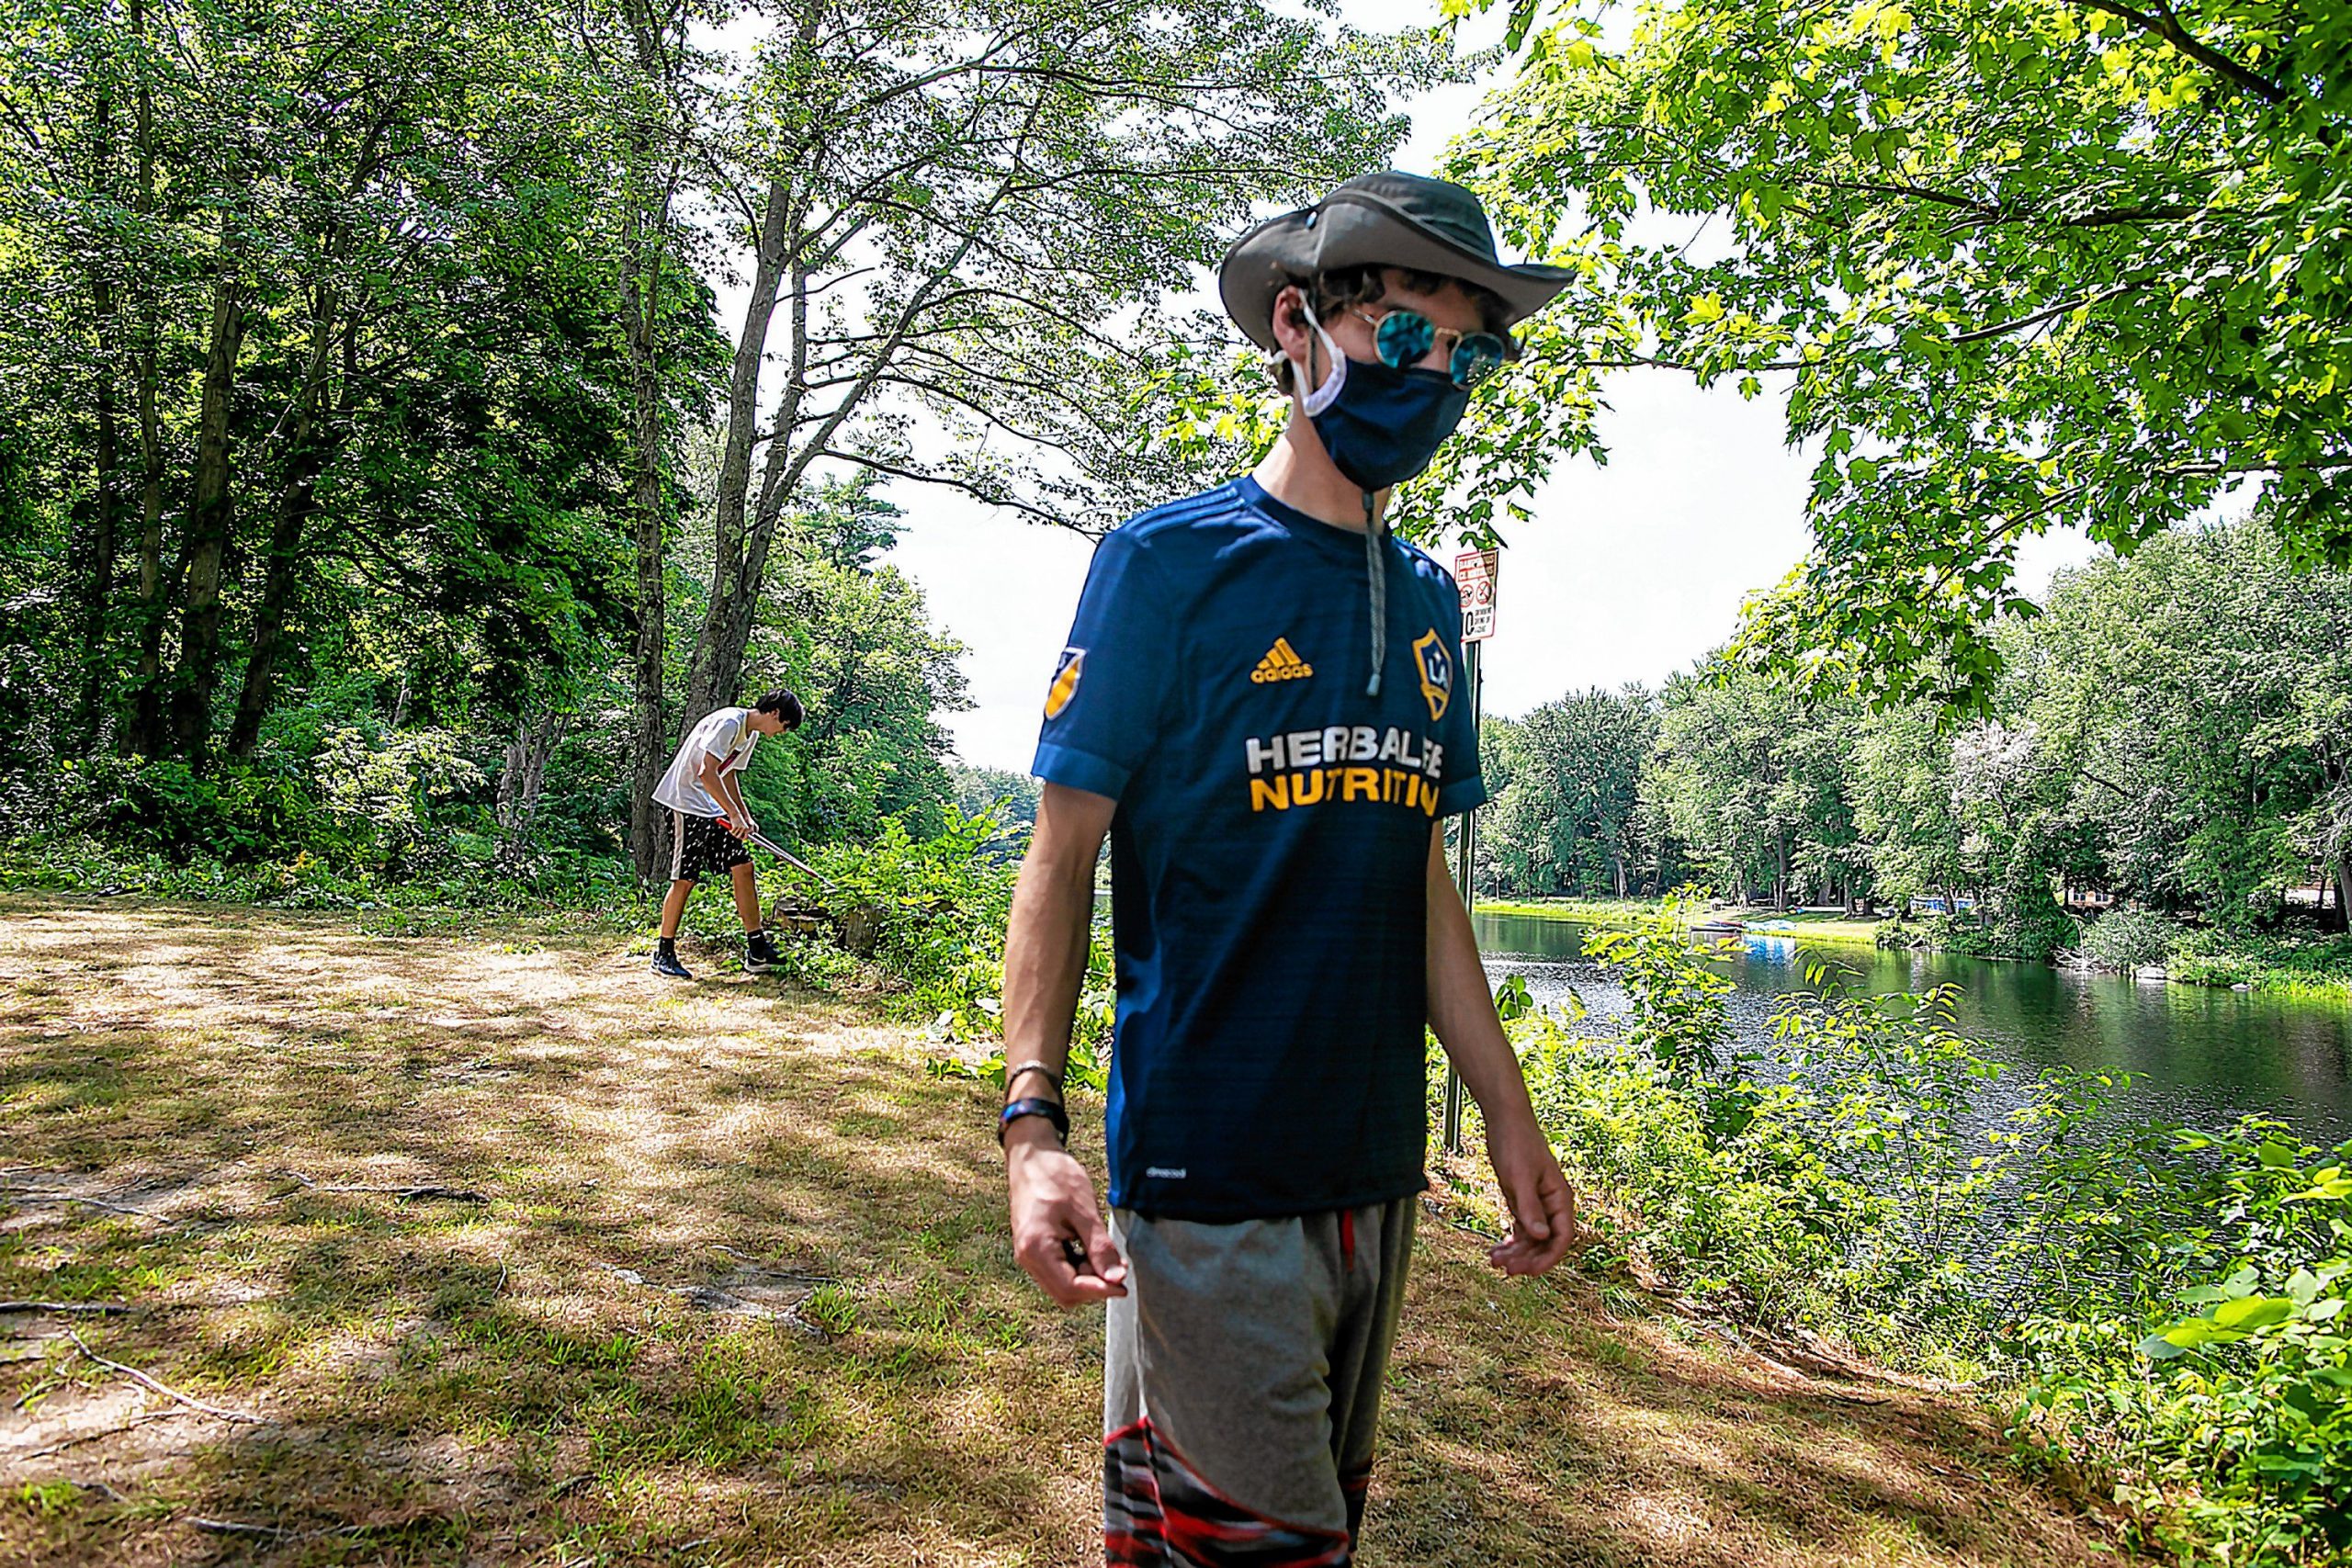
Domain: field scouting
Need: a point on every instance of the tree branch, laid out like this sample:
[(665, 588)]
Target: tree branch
[(2167, 27), (969, 488), (2002, 329)]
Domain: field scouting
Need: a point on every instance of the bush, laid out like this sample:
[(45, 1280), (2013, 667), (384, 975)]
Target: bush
[(1940, 933), (2315, 963), (1824, 1187), (2035, 932), (236, 814), (2225, 1399), (2167, 1306), (2130, 939), (449, 881), (940, 907)]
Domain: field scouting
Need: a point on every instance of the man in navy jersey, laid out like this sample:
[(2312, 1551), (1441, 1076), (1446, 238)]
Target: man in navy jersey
[(1261, 705)]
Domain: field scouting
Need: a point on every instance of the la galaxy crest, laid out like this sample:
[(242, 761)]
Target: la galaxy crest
[(1435, 667), (1065, 686)]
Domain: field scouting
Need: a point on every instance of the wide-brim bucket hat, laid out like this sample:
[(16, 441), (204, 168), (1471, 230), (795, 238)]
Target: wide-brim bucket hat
[(1390, 219)]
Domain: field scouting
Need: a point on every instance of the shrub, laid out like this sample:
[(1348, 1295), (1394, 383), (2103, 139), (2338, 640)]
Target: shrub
[(2167, 1307), (940, 907), (2225, 1399), (2128, 939), (236, 814), (2024, 922)]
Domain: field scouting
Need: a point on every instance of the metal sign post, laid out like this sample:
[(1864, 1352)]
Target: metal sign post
[(1474, 574)]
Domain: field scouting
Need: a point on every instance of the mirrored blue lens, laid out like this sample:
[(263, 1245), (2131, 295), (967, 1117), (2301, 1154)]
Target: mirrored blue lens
[(1475, 357), (1403, 338)]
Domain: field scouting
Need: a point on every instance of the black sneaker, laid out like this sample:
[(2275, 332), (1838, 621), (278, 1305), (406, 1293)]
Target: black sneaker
[(759, 954), (666, 962)]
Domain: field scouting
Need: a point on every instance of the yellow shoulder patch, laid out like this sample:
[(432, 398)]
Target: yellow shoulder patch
[(1435, 667), (1065, 686)]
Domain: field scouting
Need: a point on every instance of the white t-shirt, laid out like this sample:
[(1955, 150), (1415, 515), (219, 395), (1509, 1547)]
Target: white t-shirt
[(727, 734)]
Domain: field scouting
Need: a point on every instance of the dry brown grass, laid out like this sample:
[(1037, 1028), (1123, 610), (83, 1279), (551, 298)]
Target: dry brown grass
[(820, 1352)]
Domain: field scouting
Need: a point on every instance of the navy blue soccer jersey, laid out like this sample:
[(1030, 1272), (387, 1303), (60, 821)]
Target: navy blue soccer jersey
[(1268, 855)]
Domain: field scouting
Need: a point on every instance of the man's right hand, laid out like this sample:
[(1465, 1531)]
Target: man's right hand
[(1056, 1220)]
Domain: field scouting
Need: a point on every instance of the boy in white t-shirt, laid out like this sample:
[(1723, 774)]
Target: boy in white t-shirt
[(710, 822)]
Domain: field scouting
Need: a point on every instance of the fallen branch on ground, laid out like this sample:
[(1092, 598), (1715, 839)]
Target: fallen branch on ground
[(100, 1309), (165, 1388), (278, 1532), (231, 1526), (29, 1195), (429, 1189)]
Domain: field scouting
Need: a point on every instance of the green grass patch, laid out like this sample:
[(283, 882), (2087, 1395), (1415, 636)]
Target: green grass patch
[(482, 1383)]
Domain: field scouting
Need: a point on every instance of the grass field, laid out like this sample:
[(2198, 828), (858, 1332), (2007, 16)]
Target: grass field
[(497, 1250)]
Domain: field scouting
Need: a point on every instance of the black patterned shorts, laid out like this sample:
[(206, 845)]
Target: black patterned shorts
[(700, 847)]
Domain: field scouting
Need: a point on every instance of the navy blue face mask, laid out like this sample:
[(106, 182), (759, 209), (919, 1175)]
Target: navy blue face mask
[(1380, 426)]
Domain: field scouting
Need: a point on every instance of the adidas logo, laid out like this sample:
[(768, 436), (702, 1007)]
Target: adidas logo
[(1282, 663)]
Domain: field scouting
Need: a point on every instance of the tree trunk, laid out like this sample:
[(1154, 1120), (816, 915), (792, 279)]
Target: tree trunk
[(2344, 889), (199, 673), (104, 528), (739, 558), (640, 309), (104, 540), (658, 46), (145, 734), (294, 508), (309, 448), (522, 778)]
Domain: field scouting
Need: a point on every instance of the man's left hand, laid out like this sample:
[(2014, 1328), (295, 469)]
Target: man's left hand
[(1542, 1205)]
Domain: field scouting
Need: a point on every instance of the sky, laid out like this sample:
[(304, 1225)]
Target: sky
[(1627, 572)]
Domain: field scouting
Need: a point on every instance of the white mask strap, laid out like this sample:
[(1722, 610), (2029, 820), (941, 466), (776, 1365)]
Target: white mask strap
[(1322, 397)]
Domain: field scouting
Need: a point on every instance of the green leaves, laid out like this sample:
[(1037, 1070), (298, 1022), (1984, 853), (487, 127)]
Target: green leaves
[(1511, 1001), (2051, 268)]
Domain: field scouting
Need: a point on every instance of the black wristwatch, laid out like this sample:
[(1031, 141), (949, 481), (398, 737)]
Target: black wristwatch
[(1050, 1109)]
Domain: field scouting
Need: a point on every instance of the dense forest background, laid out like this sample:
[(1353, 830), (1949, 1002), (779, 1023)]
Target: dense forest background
[(381, 488), (2172, 729)]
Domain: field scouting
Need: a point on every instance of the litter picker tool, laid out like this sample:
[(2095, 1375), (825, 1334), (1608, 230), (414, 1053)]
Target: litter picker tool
[(762, 840)]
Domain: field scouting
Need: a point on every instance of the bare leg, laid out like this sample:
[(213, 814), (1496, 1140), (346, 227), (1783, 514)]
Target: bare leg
[(746, 896), (673, 908)]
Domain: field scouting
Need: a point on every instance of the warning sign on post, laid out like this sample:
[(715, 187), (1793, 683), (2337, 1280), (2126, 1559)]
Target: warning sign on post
[(1474, 573)]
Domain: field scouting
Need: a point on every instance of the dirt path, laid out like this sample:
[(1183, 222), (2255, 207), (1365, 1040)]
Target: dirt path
[(491, 1254)]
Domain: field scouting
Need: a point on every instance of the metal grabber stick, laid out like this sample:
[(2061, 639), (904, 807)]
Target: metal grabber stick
[(762, 841)]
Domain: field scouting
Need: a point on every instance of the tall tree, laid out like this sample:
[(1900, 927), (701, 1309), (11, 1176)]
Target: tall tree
[(1751, 774), (855, 641), (970, 210), (653, 152), (2023, 264), (1567, 820), (2193, 700)]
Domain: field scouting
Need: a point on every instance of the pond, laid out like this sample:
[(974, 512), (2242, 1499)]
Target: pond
[(2202, 1056)]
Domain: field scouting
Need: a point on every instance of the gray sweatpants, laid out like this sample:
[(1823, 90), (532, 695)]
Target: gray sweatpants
[(1242, 1385)]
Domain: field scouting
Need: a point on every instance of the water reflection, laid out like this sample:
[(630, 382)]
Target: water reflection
[(2207, 1055)]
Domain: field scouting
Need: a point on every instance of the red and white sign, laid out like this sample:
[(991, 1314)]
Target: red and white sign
[(1474, 573)]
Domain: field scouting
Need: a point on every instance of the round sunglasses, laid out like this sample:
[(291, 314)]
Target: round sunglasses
[(1403, 337)]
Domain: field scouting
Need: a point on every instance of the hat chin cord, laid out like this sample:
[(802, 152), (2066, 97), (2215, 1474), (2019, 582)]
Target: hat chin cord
[(1375, 558)]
